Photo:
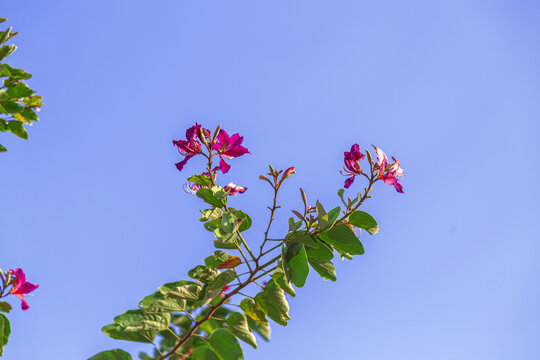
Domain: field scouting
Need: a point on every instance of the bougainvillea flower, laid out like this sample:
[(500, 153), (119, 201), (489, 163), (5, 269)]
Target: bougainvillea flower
[(234, 189), (21, 287), (227, 287), (191, 146), (390, 174), (352, 164), (228, 147)]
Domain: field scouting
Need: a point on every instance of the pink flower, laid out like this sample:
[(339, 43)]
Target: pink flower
[(191, 146), (389, 174), (21, 287), (228, 147), (352, 164), (234, 189)]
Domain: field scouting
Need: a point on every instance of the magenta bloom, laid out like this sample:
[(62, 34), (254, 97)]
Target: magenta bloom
[(191, 146), (21, 287), (228, 147), (352, 164), (234, 189), (389, 174)]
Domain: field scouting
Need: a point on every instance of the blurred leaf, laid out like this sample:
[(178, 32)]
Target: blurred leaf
[(4, 306), (281, 280), (202, 179), (321, 215), (325, 268), (246, 220), (211, 214), (116, 354), (295, 263), (263, 330), (272, 302), (204, 353), (333, 215), (238, 325), (215, 288), (343, 238), (137, 321), (230, 263), (218, 258), (5, 50), (19, 90), (253, 310), (364, 221), (322, 251), (182, 289), (158, 303), (118, 332), (203, 273), (2, 148), (225, 345), (208, 196), (229, 223), (18, 129), (5, 330)]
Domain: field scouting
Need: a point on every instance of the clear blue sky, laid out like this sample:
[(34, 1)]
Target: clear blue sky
[(93, 207)]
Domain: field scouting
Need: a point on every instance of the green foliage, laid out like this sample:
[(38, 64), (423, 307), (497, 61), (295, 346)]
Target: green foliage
[(18, 104), (5, 330), (325, 268), (116, 354), (5, 307), (225, 345), (272, 302), (281, 279), (364, 221), (183, 289), (202, 179), (252, 310), (218, 258), (204, 353), (342, 238), (295, 263), (215, 288), (238, 326)]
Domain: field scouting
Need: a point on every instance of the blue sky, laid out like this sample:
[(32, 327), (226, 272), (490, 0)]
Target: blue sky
[(93, 208)]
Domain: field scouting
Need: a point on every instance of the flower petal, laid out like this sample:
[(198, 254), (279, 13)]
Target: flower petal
[(349, 181), (224, 167)]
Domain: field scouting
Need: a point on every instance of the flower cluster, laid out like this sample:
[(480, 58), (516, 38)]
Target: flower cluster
[(390, 174), (21, 287), (223, 145)]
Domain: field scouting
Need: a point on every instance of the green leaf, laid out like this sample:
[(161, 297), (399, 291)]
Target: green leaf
[(137, 320), (343, 238), (239, 327), (273, 303), (263, 330), (218, 258), (364, 221), (325, 268), (295, 263), (229, 223), (158, 303), (5, 330), (182, 289), (253, 310), (29, 114), (333, 215), (307, 240), (208, 196), (202, 179), (281, 279), (116, 354), (16, 128), (183, 321), (225, 345), (2, 148), (118, 332), (215, 288), (225, 243), (213, 225), (12, 107), (322, 251), (246, 220), (204, 353), (202, 273), (211, 214), (19, 90), (5, 50), (4, 306), (321, 215)]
